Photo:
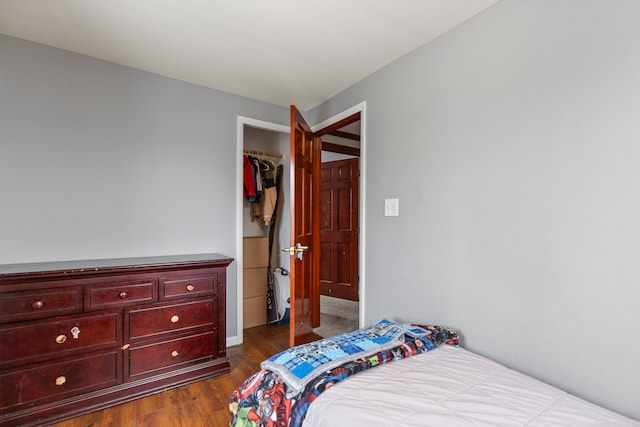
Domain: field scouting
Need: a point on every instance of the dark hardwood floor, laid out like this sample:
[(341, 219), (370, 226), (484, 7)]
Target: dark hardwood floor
[(201, 404)]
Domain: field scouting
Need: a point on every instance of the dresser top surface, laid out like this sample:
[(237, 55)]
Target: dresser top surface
[(111, 264)]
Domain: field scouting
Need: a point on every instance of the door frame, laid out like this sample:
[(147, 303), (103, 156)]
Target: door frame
[(362, 109), (243, 121)]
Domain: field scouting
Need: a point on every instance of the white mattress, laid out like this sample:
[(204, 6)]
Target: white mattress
[(451, 386)]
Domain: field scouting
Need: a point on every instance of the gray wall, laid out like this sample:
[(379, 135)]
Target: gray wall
[(513, 144), (103, 161)]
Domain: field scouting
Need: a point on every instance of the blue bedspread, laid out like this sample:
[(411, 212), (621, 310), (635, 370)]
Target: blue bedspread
[(267, 400), (301, 364)]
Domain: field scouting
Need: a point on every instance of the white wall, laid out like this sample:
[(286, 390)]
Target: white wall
[(513, 145), (102, 161)]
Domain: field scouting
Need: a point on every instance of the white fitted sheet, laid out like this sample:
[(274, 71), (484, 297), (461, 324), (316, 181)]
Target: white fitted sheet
[(451, 386)]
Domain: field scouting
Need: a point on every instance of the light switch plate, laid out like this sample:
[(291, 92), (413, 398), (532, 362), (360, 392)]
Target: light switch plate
[(391, 207)]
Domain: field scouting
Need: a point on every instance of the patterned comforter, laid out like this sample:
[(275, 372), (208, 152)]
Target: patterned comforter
[(266, 399)]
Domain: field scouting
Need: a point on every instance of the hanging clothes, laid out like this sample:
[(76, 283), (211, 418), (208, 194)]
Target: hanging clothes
[(270, 197), (259, 188), (272, 304), (270, 194), (249, 180), (252, 177), (256, 212), (257, 177), (268, 171)]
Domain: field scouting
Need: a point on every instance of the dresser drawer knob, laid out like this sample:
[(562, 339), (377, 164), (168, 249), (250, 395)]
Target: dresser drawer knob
[(37, 305), (174, 353), (122, 295), (175, 318), (61, 338), (61, 380), (190, 287)]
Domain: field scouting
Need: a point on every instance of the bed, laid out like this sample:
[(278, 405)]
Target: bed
[(422, 377)]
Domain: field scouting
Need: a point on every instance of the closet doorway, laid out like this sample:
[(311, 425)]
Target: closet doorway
[(266, 224)]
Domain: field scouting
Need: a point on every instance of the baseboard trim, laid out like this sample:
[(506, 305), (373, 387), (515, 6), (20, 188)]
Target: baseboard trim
[(231, 341)]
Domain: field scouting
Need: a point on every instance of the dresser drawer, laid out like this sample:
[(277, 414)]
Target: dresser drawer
[(60, 379), (120, 294), (187, 287), (28, 341), (152, 359), (148, 322), (15, 306)]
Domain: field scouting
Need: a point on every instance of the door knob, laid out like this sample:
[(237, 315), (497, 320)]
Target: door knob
[(297, 250)]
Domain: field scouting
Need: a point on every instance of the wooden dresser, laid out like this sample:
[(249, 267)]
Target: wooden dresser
[(80, 336)]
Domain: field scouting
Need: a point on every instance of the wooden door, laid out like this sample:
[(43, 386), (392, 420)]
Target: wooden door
[(305, 230), (339, 229)]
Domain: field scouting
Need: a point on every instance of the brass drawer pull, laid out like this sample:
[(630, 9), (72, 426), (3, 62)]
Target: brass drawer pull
[(175, 318), (174, 353), (190, 287), (61, 380), (122, 295), (37, 305), (61, 338)]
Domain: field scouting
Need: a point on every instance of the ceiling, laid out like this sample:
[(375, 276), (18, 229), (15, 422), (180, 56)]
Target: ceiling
[(280, 51)]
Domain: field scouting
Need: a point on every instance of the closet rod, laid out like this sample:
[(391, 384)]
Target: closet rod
[(262, 153)]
